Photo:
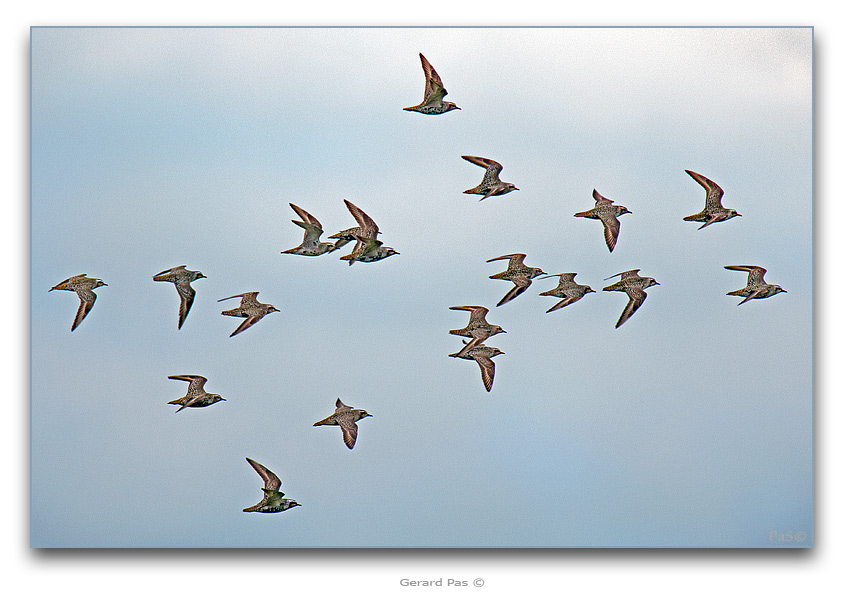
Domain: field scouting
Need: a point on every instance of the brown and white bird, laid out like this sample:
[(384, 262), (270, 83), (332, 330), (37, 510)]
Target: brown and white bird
[(712, 211), (606, 212), (482, 355), (182, 278), (367, 248), (756, 287), (567, 290), (249, 308), (432, 103), (196, 397), (311, 245), (634, 285), (84, 287), (490, 185), (347, 417), (478, 329), (519, 274), (273, 501)]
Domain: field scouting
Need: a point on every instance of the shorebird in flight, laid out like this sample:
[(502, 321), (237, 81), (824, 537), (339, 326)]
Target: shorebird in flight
[(608, 214), (634, 285), (482, 355), (182, 278), (712, 212), (196, 397), (249, 308), (84, 287), (490, 185), (756, 287), (347, 417), (311, 245), (433, 103), (273, 501), (519, 274), (567, 290)]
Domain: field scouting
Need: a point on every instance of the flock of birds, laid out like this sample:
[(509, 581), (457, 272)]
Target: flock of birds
[(368, 248)]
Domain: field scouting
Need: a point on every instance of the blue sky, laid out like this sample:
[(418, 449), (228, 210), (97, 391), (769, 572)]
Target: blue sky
[(688, 426)]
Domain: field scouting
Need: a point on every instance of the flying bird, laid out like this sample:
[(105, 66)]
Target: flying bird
[(756, 287), (84, 287), (432, 103), (274, 500), (311, 245), (518, 273), (347, 417), (712, 212), (490, 185), (249, 308), (196, 397), (367, 248), (182, 278), (567, 290), (478, 329), (634, 285), (608, 214), (482, 355)]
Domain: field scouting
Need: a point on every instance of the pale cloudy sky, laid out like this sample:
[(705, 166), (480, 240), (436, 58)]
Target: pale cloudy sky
[(690, 425)]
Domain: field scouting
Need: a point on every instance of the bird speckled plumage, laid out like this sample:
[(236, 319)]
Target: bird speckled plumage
[(712, 212), (432, 103), (567, 290), (367, 248), (182, 278), (490, 185), (346, 236), (634, 285), (756, 287), (482, 355), (273, 501), (196, 397), (84, 287), (519, 274), (347, 417), (249, 308), (311, 245), (478, 329), (608, 213)]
